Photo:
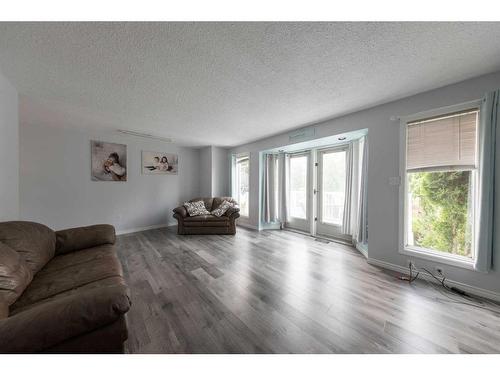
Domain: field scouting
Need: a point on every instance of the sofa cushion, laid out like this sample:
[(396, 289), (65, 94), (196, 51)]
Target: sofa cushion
[(34, 242), (84, 237), (15, 275), (196, 208), (206, 221), (71, 274)]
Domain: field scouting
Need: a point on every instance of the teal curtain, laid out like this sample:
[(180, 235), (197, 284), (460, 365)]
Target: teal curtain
[(488, 132)]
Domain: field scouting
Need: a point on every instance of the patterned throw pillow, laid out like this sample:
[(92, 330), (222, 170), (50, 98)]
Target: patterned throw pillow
[(221, 210), (196, 208)]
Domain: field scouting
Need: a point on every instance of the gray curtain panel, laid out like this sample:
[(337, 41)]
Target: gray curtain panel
[(283, 163), (362, 229), (270, 189), (355, 183), (346, 220), (489, 135)]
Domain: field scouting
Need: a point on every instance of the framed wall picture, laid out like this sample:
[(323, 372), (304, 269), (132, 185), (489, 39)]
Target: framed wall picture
[(109, 161), (159, 163)]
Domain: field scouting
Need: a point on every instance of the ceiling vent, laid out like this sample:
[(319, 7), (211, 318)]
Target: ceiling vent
[(302, 134), (146, 135)]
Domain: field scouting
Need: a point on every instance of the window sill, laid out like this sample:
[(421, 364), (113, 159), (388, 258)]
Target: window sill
[(432, 256)]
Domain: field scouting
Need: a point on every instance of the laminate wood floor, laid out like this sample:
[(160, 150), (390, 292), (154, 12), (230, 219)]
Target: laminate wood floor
[(283, 292)]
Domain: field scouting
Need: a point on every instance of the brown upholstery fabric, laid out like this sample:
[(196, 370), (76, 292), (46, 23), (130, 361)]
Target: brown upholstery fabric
[(15, 275), (75, 302), (48, 324), (108, 339), (181, 211), (233, 212), (4, 310), (71, 274), (207, 230), (84, 237), (208, 224), (206, 221), (34, 242)]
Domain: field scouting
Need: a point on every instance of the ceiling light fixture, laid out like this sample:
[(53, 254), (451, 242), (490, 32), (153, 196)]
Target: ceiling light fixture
[(145, 135)]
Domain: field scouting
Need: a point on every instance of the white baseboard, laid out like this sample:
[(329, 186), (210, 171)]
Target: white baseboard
[(467, 288), (142, 229)]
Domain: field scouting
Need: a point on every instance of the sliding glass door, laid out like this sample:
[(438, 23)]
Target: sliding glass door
[(331, 191), (299, 211)]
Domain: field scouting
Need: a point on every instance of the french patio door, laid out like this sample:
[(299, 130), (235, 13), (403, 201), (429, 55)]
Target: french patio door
[(299, 192), (331, 192), (317, 191)]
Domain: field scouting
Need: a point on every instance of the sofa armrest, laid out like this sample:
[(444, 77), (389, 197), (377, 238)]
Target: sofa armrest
[(84, 237), (48, 324), (181, 211), (233, 212)]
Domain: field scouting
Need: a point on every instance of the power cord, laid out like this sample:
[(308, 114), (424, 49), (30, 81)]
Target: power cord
[(442, 282)]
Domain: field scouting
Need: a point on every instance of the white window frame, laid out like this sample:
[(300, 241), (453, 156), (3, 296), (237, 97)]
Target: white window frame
[(234, 188), (420, 252)]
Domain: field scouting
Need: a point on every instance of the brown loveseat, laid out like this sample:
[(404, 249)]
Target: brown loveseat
[(208, 224), (61, 292)]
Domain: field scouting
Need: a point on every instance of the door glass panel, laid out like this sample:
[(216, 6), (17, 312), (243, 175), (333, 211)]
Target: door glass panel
[(242, 178), (333, 187), (298, 186)]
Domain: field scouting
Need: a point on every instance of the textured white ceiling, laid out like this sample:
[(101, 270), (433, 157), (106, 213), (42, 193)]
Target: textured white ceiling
[(230, 83)]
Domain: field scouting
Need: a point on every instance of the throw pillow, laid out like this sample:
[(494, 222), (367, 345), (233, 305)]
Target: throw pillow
[(221, 210), (196, 208)]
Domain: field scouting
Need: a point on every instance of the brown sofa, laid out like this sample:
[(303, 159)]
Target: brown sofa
[(61, 292), (208, 224)]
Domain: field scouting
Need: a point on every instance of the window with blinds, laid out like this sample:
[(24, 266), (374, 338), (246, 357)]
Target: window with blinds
[(440, 175), (443, 142)]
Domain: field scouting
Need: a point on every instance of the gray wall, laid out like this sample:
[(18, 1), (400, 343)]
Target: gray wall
[(56, 187), (214, 171), (383, 198), (220, 172), (9, 151), (206, 172)]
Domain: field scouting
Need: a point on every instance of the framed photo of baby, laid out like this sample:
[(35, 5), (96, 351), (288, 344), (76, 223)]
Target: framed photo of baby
[(159, 163), (109, 161)]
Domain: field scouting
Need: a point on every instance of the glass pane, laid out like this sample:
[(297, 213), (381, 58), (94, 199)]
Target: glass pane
[(242, 177), (333, 187), (440, 211), (298, 187)]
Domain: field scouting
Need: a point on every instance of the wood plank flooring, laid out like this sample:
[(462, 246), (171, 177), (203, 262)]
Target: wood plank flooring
[(283, 292)]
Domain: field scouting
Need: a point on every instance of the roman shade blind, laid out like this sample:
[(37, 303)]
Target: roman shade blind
[(448, 141)]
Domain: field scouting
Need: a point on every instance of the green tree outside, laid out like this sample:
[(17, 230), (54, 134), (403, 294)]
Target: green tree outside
[(440, 208)]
